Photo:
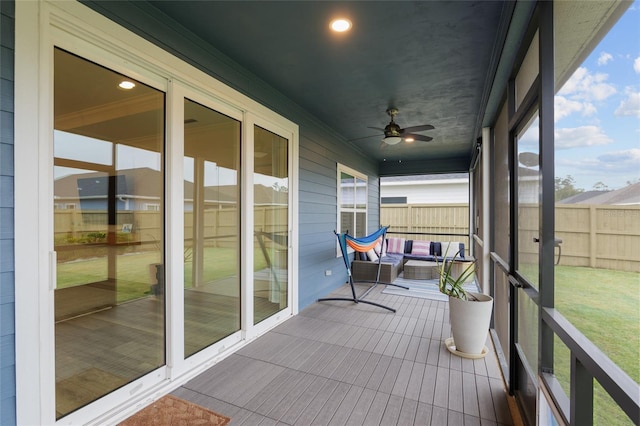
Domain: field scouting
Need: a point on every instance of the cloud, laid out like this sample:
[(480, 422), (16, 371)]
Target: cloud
[(588, 86), (636, 65), (613, 168), (564, 107), (580, 137), (628, 156), (604, 58), (581, 93), (629, 107)]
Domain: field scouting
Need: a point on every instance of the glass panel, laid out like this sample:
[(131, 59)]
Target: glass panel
[(211, 227), (361, 194), (108, 231), (528, 329), (501, 182), (361, 224), (597, 178), (271, 219), (347, 222), (347, 197), (528, 173)]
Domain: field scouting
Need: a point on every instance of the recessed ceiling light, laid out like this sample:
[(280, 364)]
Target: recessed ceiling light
[(127, 85), (340, 25)]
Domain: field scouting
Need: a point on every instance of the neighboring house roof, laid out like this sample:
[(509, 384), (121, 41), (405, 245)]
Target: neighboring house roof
[(140, 181), (581, 198), (629, 195)]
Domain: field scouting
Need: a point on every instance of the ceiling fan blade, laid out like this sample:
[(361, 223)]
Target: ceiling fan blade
[(418, 128), (421, 138), (383, 145), (376, 128)]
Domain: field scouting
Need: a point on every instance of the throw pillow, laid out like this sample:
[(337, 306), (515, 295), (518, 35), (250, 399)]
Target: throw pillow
[(395, 245), (371, 254), (421, 248), (450, 249)]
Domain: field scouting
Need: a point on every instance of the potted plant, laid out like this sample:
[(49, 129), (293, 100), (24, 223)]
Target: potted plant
[(469, 312)]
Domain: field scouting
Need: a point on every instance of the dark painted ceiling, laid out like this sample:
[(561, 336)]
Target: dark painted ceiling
[(432, 60)]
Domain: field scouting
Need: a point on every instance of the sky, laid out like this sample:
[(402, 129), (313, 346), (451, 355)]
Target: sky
[(597, 111)]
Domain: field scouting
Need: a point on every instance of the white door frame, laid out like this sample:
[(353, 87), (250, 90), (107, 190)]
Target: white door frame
[(41, 25)]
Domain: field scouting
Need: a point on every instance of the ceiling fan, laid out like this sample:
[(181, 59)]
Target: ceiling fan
[(394, 134)]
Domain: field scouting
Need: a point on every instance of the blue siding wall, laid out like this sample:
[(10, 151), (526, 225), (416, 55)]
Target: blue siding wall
[(7, 283), (320, 147)]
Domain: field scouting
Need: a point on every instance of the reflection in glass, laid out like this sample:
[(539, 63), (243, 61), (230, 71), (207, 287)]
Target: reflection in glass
[(108, 231), (211, 227), (528, 181), (597, 173), (528, 329), (271, 222)]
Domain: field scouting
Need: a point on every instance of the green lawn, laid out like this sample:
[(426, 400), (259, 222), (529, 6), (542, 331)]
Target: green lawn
[(605, 306), (133, 275)]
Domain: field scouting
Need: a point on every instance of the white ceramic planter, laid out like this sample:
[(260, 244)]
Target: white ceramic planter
[(470, 322)]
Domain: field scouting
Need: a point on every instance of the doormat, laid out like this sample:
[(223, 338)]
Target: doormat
[(170, 410)]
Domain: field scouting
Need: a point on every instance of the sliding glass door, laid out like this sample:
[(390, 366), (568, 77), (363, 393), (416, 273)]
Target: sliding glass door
[(211, 226), (108, 230), (271, 224)]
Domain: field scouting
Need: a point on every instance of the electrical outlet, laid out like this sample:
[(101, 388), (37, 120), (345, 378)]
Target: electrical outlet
[(327, 272)]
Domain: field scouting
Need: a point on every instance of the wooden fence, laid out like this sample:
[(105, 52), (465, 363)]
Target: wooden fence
[(429, 219), (597, 236), (143, 230)]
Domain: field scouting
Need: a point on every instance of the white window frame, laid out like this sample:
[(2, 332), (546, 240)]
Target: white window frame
[(39, 26), (341, 168)]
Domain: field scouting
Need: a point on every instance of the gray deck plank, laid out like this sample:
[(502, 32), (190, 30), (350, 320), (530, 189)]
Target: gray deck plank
[(439, 416), (455, 391), (378, 374), (485, 400), (331, 406), (309, 395), (374, 416), (423, 414), (455, 418), (359, 363), (390, 376), (367, 370), (310, 412), (361, 409), (354, 364), (415, 381), (470, 395), (341, 416), (392, 411), (402, 379), (441, 395), (407, 414)]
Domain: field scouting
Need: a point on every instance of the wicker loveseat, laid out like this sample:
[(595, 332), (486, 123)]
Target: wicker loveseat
[(364, 269)]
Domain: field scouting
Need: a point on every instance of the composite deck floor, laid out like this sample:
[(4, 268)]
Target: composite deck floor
[(338, 363)]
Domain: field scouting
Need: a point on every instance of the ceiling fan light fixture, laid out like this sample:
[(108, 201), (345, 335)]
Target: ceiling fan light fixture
[(409, 139), (392, 140)]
